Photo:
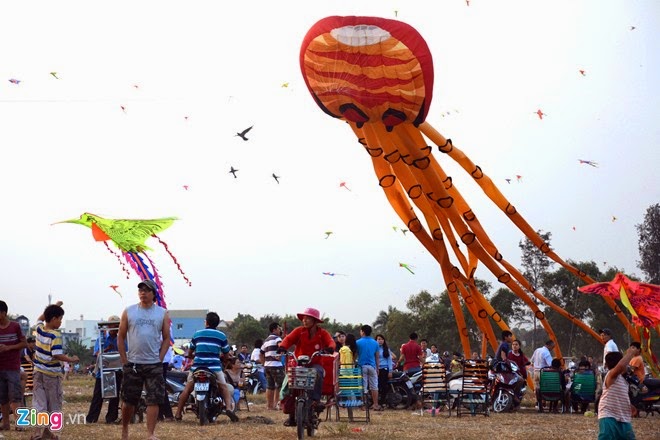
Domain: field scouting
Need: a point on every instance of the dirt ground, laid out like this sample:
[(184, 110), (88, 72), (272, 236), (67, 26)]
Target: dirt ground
[(404, 424)]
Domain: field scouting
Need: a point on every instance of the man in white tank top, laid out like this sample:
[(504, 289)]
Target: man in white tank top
[(614, 414), (148, 329)]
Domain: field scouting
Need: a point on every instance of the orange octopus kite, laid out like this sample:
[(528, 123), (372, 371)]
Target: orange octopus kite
[(377, 75)]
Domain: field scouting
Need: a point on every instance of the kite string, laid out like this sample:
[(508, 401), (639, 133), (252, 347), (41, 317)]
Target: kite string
[(123, 266), (173, 258)]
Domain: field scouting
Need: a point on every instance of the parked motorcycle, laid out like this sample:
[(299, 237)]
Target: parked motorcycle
[(644, 396), (401, 393), (253, 384), (507, 386)]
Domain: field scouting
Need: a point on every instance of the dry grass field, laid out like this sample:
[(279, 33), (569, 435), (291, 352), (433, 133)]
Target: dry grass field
[(525, 424)]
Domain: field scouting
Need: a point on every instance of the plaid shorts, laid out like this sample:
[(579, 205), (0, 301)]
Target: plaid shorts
[(149, 376)]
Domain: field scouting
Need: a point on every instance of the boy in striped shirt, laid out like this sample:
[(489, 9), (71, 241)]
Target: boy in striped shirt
[(47, 395)]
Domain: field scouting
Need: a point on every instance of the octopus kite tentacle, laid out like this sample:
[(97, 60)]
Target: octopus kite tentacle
[(498, 198)]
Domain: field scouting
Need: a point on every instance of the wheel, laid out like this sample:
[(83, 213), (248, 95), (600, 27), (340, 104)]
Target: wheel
[(399, 397), (502, 402), (202, 412), (301, 415), (312, 420)]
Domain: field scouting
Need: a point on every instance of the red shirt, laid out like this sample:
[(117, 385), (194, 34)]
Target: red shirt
[(411, 352), (11, 335), (306, 345)]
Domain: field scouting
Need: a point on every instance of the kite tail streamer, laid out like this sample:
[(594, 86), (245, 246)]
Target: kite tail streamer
[(123, 266), (156, 277), (173, 258), (144, 273), (131, 262)]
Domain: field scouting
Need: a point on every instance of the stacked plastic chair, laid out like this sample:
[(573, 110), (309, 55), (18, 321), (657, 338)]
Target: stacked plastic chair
[(474, 392), (351, 395)]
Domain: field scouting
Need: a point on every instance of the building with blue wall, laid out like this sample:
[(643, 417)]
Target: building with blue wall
[(186, 322)]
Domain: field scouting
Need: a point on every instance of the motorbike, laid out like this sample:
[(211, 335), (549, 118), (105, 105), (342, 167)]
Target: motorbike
[(507, 386), (644, 396), (302, 379), (401, 393), (253, 384)]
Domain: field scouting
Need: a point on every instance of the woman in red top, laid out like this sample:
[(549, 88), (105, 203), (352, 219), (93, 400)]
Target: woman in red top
[(516, 355), (308, 339)]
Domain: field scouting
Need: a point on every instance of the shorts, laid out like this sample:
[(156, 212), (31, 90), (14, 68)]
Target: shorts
[(10, 387), (611, 429), (369, 378), (274, 377), (47, 395), (219, 376), (137, 376)]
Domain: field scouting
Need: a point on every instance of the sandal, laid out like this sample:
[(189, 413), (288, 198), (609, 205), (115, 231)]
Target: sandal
[(376, 408), (289, 422), (178, 418)]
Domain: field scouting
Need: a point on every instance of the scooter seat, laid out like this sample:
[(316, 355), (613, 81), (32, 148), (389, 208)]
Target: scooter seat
[(652, 384), (179, 376)]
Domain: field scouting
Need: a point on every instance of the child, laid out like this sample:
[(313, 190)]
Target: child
[(348, 352), (614, 418), (47, 367)]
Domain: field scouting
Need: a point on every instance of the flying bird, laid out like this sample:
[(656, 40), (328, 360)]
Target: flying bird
[(115, 288), (14, 81), (54, 75), (405, 266), (540, 113), (327, 234), (244, 132), (589, 162), (343, 185), (233, 171), (276, 178)]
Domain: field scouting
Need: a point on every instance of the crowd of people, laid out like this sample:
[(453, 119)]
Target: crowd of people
[(142, 340)]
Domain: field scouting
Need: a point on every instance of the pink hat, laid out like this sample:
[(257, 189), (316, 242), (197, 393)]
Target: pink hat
[(312, 313)]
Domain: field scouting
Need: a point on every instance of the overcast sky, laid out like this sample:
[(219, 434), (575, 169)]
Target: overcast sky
[(206, 69)]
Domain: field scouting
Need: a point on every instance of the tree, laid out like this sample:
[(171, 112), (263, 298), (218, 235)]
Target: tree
[(245, 330), (75, 348), (536, 265), (649, 244)]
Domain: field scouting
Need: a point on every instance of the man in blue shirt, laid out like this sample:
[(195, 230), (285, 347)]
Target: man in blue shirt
[(208, 345), (367, 349), (109, 346)]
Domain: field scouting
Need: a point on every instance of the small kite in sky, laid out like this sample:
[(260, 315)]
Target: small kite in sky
[(404, 231), (589, 162), (467, 2), (285, 85), (233, 172), (136, 86), (405, 266), (244, 132), (519, 178), (613, 219), (123, 108), (540, 113), (582, 73), (395, 228), (574, 228), (343, 185), (276, 177), (332, 274), (115, 288), (14, 81), (185, 187), (508, 181), (632, 28), (327, 234), (56, 77)]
